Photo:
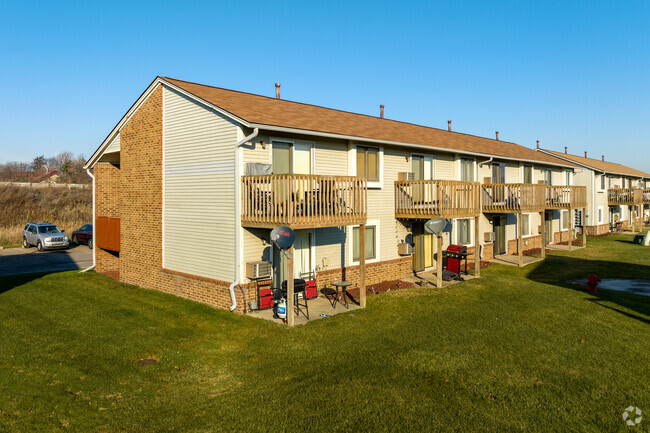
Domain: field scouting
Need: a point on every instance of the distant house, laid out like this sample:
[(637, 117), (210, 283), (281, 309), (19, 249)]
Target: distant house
[(36, 176)]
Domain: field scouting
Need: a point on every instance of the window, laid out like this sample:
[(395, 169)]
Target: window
[(602, 182), (528, 174), (467, 169), (368, 163), (567, 178), (371, 252), (600, 215), (281, 155), (547, 176), (565, 220), (525, 224), (464, 232), (498, 173)]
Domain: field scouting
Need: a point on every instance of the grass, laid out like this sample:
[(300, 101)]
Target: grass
[(67, 208), (517, 350)]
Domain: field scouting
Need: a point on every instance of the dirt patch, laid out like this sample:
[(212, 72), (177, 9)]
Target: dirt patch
[(384, 286)]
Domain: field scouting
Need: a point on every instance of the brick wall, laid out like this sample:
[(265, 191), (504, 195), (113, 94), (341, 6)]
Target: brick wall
[(107, 204), (141, 188), (375, 272), (597, 230)]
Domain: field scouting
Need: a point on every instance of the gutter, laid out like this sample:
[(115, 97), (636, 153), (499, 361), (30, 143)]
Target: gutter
[(231, 289), (398, 143), (94, 246)]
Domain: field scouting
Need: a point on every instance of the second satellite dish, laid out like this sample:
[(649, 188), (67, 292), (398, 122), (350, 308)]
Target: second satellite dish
[(435, 226), (283, 237)]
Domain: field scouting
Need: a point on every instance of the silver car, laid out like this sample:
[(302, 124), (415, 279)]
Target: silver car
[(45, 236)]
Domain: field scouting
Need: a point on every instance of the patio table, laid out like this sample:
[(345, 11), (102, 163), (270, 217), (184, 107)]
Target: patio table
[(341, 288)]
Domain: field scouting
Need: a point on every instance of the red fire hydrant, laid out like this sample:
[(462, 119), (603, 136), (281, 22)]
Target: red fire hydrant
[(592, 282)]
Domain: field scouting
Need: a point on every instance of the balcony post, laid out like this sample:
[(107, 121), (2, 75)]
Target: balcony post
[(290, 314), (520, 243), (542, 215), (439, 261), (362, 265), (477, 248), (584, 227), (570, 242)]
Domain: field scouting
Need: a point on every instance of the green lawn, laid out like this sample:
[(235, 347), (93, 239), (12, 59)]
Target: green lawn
[(517, 350)]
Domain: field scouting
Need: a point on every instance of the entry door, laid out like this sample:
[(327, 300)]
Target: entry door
[(424, 249), (548, 230), (301, 259), (302, 158), (499, 228)]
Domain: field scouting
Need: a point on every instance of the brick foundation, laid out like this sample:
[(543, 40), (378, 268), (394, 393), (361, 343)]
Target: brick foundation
[(597, 230), (375, 272)]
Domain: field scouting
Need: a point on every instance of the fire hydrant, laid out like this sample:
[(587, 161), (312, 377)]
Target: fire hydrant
[(592, 282)]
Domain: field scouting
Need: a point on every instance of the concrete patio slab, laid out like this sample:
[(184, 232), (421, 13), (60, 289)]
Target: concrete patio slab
[(513, 260), (319, 308), (429, 279)]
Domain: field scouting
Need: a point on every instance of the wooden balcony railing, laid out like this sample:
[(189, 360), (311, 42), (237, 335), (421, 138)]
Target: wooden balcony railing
[(629, 196), (424, 199), (566, 197), (303, 201), (513, 197)]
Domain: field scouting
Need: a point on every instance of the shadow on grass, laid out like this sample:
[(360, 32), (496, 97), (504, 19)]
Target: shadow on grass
[(13, 281), (557, 270)]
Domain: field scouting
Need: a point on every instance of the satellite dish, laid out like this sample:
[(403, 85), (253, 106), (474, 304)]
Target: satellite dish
[(283, 237), (435, 226)]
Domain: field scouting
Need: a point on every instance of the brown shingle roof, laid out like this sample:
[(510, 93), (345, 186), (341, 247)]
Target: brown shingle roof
[(609, 167), (263, 110)]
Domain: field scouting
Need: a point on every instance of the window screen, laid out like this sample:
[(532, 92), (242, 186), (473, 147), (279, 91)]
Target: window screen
[(368, 162), (370, 243)]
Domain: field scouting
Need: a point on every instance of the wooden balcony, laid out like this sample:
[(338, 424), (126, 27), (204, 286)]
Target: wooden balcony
[(513, 197), (566, 197), (628, 196), (424, 199), (303, 201)]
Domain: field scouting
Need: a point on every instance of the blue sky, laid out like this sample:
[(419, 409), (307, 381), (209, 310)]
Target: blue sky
[(567, 73)]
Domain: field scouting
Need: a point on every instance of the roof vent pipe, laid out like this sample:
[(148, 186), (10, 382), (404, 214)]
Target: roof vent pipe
[(538, 144), (449, 125), (565, 149), (277, 90), (585, 153), (497, 135), (603, 158), (381, 111)]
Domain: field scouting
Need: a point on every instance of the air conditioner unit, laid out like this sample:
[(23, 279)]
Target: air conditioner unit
[(258, 270), (406, 175), (488, 236), (404, 249)]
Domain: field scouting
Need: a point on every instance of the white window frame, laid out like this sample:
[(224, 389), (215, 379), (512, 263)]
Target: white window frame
[(530, 225), (352, 163), (456, 230), (523, 173), (564, 216), (600, 183), (292, 143), (568, 174), (600, 214), (459, 170), (350, 241)]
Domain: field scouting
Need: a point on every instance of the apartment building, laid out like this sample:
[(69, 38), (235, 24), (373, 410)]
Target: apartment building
[(189, 183), (616, 193)]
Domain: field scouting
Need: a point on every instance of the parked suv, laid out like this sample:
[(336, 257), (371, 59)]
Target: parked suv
[(45, 236)]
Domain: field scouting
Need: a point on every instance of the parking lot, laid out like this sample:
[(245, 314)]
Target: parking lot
[(26, 260)]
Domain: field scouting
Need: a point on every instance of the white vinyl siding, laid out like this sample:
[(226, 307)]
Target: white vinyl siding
[(444, 167), (199, 190), (114, 146)]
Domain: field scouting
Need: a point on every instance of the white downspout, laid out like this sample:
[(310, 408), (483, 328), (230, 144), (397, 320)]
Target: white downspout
[(93, 178), (486, 161), (233, 298)]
